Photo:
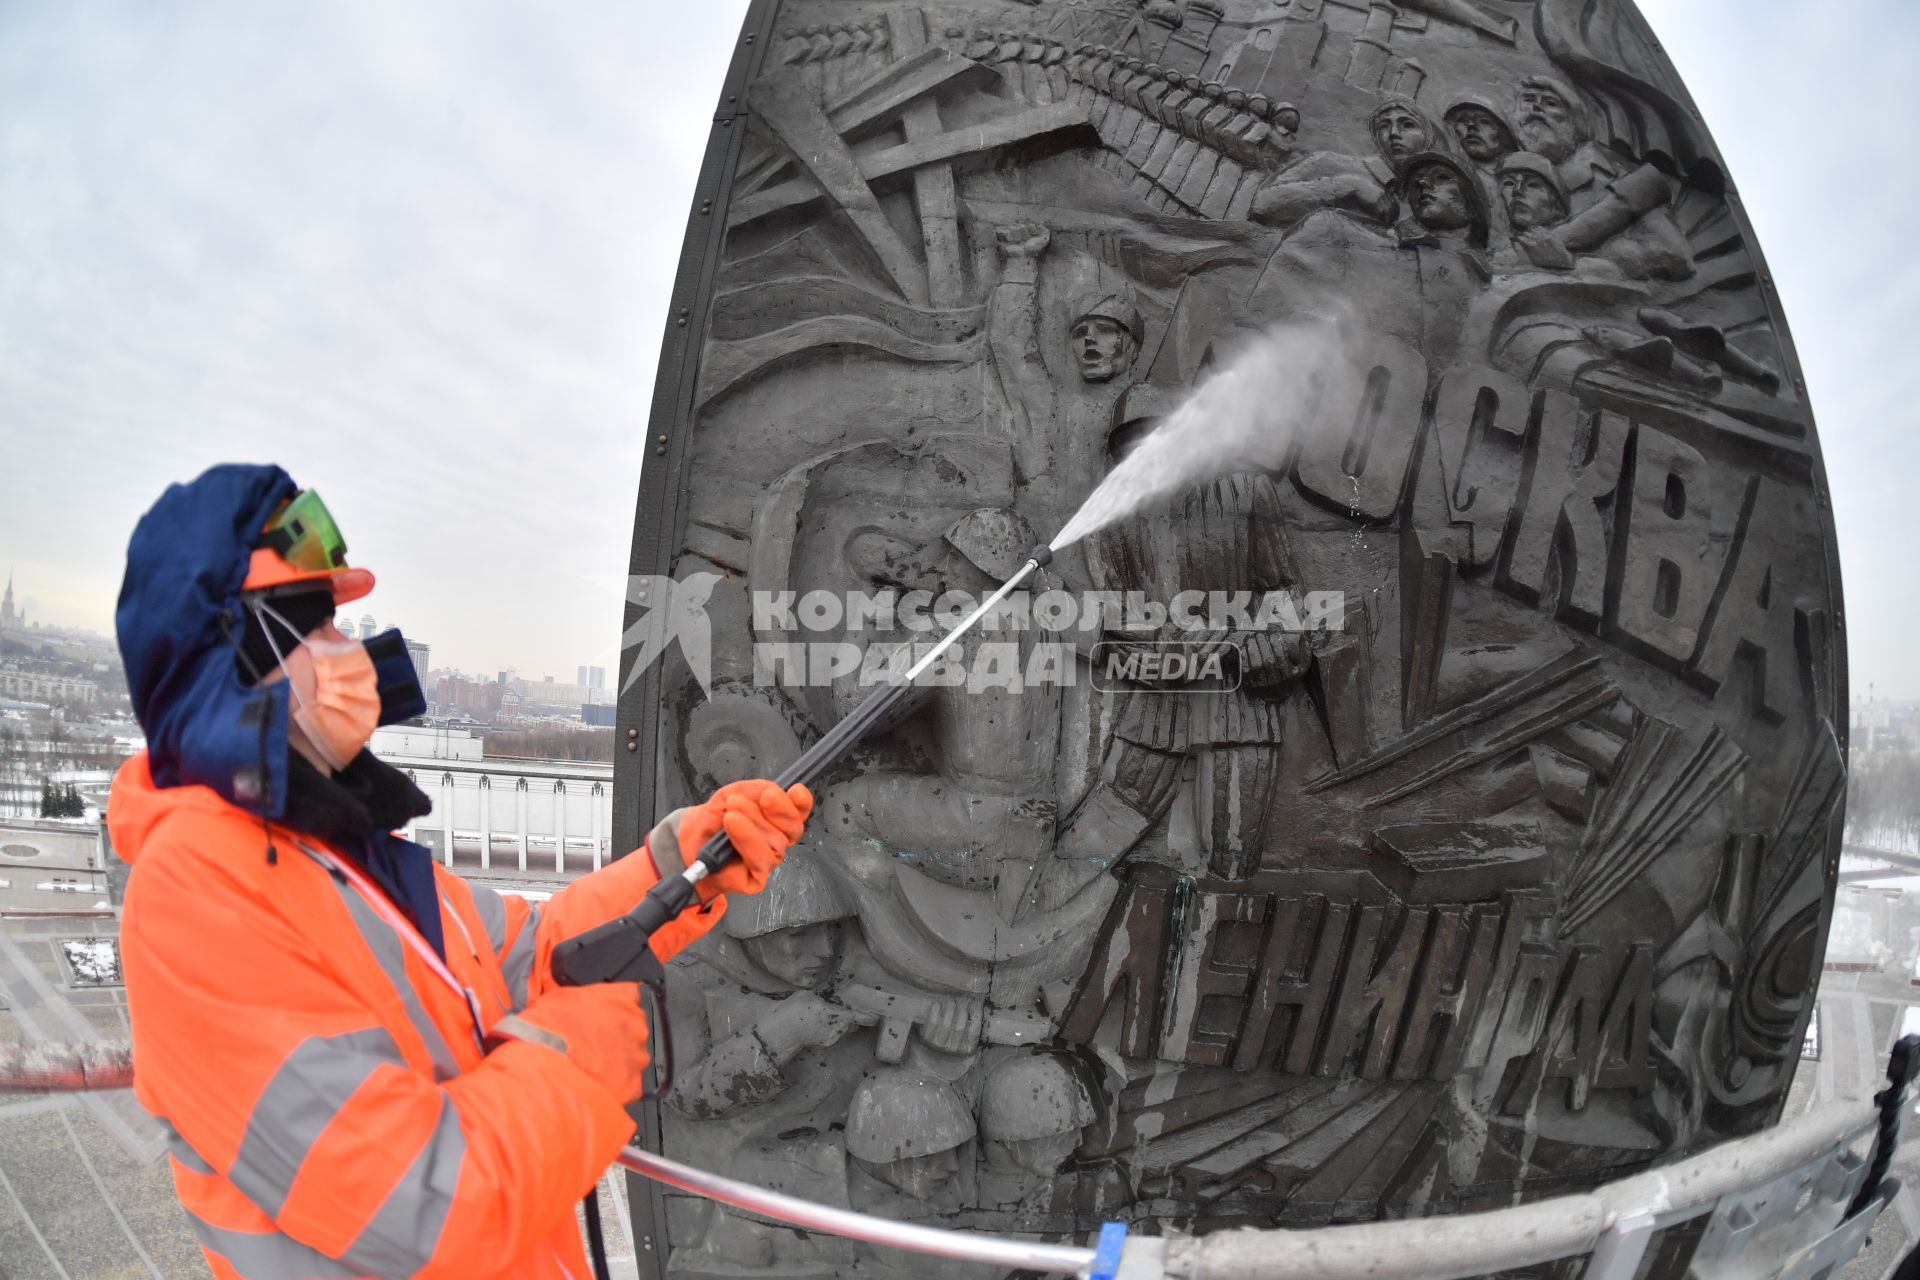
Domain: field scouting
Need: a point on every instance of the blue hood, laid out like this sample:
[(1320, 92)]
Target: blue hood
[(178, 603)]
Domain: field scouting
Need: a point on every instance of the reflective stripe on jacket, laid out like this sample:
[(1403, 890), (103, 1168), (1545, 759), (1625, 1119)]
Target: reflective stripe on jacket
[(330, 1112)]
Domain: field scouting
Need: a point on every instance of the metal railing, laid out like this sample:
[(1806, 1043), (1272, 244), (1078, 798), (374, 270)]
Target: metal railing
[(1801, 1174), (1772, 1197), (967, 1246), (1792, 1202)]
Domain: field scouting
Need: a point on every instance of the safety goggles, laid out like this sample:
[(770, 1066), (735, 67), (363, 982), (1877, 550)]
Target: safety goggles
[(305, 536)]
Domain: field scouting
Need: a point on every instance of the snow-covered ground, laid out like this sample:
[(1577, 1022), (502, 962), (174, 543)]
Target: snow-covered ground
[(95, 961)]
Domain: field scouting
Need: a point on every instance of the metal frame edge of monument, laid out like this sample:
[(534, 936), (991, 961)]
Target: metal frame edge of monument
[(658, 520), (1823, 497)]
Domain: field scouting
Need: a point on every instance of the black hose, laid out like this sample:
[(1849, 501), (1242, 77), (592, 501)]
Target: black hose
[(596, 1239)]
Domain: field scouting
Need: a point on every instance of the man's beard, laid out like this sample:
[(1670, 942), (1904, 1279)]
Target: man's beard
[(1544, 138)]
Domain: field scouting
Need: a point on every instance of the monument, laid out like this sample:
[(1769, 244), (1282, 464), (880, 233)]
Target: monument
[(1511, 880)]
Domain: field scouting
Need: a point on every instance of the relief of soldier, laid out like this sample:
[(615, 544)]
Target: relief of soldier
[(1052, 415), (749, 1026), (1105, 333), (908, 1143), (1445, 203), (1365, 186), (993, 742), (1480, 130), (1400, 131), (1033, 1108), (1226, 535), (1483, 136), (1614, 208), (1527, 190)]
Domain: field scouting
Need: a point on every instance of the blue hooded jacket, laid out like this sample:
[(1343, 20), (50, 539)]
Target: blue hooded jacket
[(179, 622)]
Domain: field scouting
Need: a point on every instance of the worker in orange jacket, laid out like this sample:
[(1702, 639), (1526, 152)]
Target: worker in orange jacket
[(363, 1063)]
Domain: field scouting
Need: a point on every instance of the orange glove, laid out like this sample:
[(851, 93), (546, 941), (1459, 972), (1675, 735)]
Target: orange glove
[(760, 819), (602, 1029)]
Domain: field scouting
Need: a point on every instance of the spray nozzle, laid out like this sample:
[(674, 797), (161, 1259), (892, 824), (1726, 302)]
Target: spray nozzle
[(1042, 555)]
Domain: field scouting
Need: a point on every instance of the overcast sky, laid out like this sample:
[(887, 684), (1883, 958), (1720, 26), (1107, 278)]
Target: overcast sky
[(419, 254)]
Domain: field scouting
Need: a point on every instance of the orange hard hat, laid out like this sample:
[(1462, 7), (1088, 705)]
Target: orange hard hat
[(302, 543), (270, 569)]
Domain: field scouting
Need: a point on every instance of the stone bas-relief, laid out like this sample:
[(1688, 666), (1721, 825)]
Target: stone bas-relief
[(1514, 883)]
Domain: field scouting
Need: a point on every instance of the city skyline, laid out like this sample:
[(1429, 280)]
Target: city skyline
[(354, 624)]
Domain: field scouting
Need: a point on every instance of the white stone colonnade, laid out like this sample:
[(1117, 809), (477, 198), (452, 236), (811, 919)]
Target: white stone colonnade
[(463, 809)]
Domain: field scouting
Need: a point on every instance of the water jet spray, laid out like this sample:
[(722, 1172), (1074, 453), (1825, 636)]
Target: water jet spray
[(1249, 413)]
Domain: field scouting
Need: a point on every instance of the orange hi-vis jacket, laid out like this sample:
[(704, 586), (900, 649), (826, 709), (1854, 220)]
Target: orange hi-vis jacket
[(331, 1111)]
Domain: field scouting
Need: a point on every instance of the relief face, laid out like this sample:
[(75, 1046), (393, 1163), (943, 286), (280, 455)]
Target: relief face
[(1511, 880)]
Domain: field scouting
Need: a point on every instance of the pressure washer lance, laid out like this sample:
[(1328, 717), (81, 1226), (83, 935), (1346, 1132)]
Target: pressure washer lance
[(618, 952)]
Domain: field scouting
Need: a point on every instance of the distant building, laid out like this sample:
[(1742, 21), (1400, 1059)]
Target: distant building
[(49, 865), (1872, 718), (419, 652), (10, 618), (596, 678), (1861, 935), (551, 693), (367, 626), (599, 715), (476, 698), (32, 684), (396, 740), (496, 816)]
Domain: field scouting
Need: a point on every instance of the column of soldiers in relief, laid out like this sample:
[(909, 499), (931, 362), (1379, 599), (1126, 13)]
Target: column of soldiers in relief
[(1511, 882)]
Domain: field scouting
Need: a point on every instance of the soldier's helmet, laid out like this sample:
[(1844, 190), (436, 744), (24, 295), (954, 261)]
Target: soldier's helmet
[(1116, 305), (1484, 102), (903, 1115), (1540, 167), (1470, 192), (1033, 1095), (798, 893)]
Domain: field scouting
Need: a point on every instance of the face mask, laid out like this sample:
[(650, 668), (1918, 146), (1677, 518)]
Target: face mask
[(346, 696)]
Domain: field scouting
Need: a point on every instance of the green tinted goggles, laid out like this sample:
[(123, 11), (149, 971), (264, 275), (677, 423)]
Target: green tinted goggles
[(304, 534)]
